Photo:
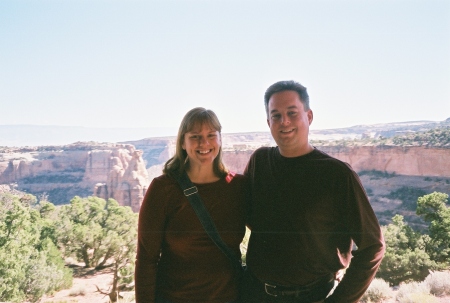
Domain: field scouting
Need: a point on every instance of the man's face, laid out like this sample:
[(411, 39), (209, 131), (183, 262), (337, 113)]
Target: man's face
[(289, 123)]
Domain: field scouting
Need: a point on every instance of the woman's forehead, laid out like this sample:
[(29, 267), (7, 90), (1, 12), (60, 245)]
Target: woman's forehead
[(198, 126)]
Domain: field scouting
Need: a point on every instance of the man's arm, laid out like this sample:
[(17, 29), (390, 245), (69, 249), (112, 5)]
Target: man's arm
[(366, 234)]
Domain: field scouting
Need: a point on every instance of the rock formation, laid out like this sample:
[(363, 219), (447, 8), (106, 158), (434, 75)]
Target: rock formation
[(127, 180), (407, 160), (410, 161), (124, 171), (61, 172)]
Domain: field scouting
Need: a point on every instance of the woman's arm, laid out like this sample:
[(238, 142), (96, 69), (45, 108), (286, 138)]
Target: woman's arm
[(150, 236)]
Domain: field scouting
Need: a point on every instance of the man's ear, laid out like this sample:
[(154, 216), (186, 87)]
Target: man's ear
[(268, 122), (310, 116)]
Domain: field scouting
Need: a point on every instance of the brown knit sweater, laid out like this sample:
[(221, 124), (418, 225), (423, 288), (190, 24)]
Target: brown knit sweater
[(176, 259)]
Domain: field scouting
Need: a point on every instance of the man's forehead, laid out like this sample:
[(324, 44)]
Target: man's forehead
[(287, 108)]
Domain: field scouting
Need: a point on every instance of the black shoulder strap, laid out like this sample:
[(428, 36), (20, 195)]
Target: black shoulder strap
[(191, 193)]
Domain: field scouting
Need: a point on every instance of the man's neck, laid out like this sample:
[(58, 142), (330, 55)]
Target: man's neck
[(292, 153)]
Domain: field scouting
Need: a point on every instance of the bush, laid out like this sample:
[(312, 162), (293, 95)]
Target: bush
[(378, 291), (411, 292), (419, 298), (30, 263), (433, 209), (79, 291), (405, 259), (439, 283), (408, 195), (376, 174)]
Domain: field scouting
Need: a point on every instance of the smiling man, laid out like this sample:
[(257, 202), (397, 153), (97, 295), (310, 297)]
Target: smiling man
[(310, 217)]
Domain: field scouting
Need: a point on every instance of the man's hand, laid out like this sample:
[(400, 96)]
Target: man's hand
[(339, 275)]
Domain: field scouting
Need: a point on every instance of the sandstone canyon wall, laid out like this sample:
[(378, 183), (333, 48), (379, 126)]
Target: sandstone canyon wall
[(410, 161), (61, 172), (124, 171), (407, 160)]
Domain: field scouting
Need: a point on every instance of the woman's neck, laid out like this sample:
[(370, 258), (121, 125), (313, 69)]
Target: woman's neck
[(202, 175)]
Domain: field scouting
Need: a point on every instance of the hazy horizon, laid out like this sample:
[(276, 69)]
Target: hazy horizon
[(41, 135)]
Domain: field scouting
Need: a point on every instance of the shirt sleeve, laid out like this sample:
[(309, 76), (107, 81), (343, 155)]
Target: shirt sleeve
[(249, 173), (150, 236), (367, 235)]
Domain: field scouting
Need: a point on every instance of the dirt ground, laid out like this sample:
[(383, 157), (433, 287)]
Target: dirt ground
[(84, 288), (88, 280)]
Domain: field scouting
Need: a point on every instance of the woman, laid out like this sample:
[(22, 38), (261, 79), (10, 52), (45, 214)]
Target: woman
[(176, 260)]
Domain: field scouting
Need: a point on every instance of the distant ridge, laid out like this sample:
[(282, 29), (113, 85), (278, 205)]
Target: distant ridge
[(41, 135), (38, 135)]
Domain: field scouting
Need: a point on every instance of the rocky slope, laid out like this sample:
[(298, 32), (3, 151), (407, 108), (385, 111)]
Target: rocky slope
[(123, 171), (61, 172)]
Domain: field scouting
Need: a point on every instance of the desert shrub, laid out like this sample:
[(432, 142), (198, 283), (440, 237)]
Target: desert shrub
[(433, 209), (97, 231), (377, 292), (127, 297), (405, 259), (408, 195), (30, 263), (439, 136), (439, 283), (376, 174), (412, 291), (419, 298), (79, 291)]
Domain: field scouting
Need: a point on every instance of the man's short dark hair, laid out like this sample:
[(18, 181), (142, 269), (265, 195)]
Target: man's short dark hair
[(287, 85)]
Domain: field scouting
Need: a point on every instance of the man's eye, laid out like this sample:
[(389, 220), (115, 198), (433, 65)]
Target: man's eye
[(276, 117), (212, 135), (292, 113)]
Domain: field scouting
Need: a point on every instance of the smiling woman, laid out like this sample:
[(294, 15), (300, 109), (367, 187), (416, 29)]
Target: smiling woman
[(200, 130), (202, 146), (176, 259)]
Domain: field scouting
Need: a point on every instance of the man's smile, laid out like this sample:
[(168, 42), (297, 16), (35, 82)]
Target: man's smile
[(287, 130)]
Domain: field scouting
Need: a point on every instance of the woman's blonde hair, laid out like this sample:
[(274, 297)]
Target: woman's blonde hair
[(179, 162)]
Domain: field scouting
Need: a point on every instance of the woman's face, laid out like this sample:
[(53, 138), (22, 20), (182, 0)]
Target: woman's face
[(202, 145)]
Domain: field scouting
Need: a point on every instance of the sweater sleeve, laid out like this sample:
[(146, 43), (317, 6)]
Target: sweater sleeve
[(366, 234), (150, 236), (249, 173)]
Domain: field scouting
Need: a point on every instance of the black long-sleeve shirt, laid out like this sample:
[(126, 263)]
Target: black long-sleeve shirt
[(306, 214)]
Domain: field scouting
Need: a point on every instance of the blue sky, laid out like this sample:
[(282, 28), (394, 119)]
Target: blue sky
[(146, 63)]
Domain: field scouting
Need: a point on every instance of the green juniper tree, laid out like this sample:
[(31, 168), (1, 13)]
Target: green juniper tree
[(30, 263), (100, 233), (433, 208), (405, 259)]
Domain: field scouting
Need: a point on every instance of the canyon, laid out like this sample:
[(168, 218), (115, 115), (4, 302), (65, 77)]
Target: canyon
[(123, 171)]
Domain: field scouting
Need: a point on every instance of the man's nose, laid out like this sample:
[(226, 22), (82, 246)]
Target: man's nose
[(285, 120)]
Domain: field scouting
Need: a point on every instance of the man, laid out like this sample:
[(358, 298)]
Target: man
[(308, 212)]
